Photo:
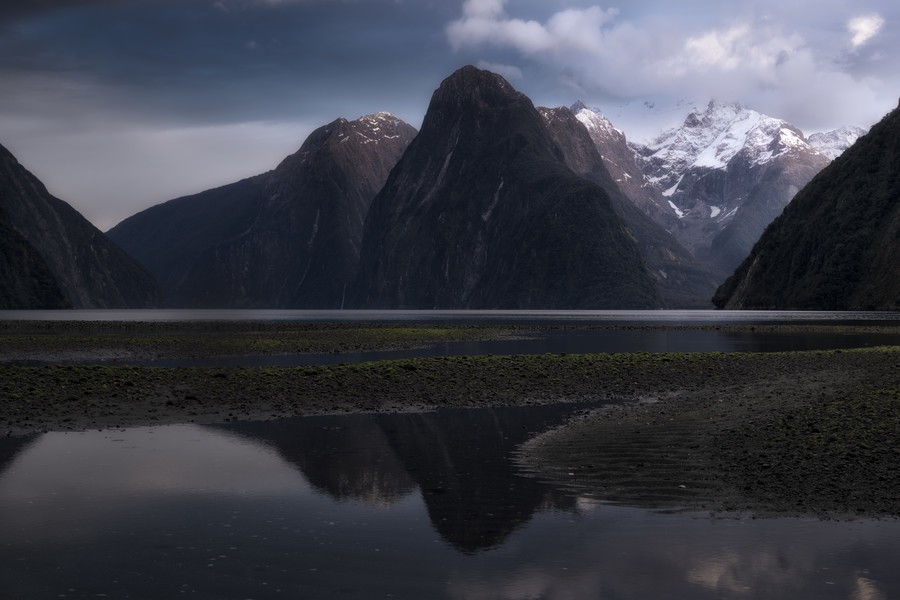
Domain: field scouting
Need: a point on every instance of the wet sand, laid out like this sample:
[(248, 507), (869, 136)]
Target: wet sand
[(780, 433)]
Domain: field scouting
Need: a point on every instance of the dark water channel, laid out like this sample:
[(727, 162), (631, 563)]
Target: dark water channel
[(383, 506), (576, 341)]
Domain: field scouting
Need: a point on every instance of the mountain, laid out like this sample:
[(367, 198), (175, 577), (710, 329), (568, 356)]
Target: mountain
[(832, 144), (837, 245), (726, 173), (481, 212), (52, 257), (620, 161), (682, 281), (288, 238)]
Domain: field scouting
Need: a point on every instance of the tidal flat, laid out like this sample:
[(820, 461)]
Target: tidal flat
[(814, 432)]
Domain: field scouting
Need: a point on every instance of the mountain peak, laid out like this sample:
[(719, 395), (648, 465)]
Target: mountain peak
[(832, 144), (596, 122), (474, 86), (578, 106), (482, 212)]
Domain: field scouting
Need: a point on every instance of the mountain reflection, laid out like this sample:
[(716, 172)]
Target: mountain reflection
[(459, 460), (12, 447), (346, 457)]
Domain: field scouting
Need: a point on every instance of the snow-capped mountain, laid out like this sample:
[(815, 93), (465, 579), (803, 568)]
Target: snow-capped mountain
[(715, 137), (725, 174), (833, 143), (717, 180)]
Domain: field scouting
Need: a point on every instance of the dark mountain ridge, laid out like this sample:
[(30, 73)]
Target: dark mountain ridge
[(837, 245), (52, 257), (482, 212), (288, 238)]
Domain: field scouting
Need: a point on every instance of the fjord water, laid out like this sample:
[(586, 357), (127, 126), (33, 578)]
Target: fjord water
[(383, 506), (425, 505)]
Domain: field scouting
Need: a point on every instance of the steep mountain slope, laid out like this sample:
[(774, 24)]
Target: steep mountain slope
[(481, 212), (726, 173), (55, 257), (622, 165), (289, 238), (167, 238), (837, 245), (683, 282), (25, 278)]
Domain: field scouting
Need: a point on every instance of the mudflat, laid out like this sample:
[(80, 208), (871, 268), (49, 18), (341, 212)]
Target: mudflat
[(771, 433)]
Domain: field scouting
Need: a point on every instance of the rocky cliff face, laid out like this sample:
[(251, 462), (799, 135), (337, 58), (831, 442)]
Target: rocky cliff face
[(55, 258), (837, 245), (481, 212), (684, 282), (285, 239)]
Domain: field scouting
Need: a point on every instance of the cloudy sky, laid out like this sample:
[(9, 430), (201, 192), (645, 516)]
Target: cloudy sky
[(121, 104)]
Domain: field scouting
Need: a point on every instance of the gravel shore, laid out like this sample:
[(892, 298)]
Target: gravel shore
[(774, 433), (803, 433)]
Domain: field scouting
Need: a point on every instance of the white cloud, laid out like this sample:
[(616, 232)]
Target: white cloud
[(756, 55), (864, 28), (483, 8), (509, 72), (485, 23), (766, 59)]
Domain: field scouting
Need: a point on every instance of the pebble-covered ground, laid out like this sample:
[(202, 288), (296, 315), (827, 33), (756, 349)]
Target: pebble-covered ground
[(798, 433), (802, 432)]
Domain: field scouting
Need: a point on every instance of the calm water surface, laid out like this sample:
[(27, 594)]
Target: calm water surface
[(383, 506), (527, 317)]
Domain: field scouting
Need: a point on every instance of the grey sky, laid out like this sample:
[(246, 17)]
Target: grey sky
[(120, 104)]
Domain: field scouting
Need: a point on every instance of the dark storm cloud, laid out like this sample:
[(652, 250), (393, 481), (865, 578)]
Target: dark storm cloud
[(10, 9), (218, 61), (120, 105)]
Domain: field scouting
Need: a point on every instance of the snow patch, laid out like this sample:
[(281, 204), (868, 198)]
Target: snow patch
[(714, 212), (681, 214), (730, 213), (669, 192), (315, 230), (487, 214), (728, 143)]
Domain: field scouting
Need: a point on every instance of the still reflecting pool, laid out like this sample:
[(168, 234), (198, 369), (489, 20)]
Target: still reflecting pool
[(383, 506)]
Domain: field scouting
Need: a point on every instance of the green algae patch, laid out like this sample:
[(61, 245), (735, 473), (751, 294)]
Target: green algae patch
[(73, 341)]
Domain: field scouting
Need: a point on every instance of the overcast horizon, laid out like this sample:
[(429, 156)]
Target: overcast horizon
[(118, 105)]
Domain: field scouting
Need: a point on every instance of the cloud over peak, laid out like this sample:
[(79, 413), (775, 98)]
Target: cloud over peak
[(768, 55), (484, 22), (864, 28)]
